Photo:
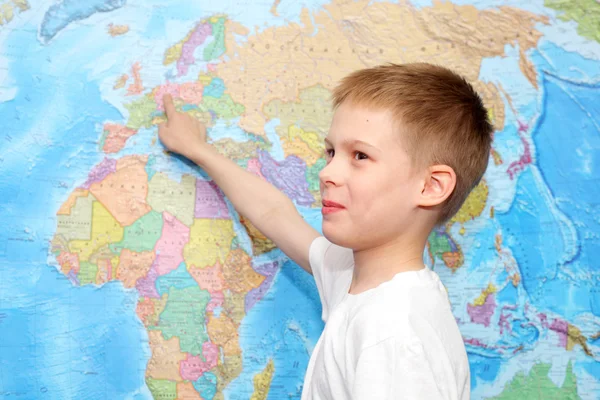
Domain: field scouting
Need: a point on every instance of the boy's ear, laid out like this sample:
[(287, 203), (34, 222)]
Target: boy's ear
[(437, 186)]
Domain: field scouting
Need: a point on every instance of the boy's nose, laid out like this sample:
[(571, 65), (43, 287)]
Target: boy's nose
[(330, 174)]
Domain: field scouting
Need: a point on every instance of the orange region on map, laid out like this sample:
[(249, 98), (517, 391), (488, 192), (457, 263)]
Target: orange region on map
[(186, 391), (209, 278), (238, 272), (68, 262), (124, 192), (300, 55), (574, 336), (273, 9), (223, 332), (121, 81), (117, 30), (106, 268), (452, 259), (166, 356), (133, 266), (515, 279), (7, 10), (260, 243)]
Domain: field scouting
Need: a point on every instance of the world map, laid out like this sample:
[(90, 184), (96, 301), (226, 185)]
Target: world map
[(125, 273)]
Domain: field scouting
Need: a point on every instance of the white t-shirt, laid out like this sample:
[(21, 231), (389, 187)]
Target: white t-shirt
[(396, 341)]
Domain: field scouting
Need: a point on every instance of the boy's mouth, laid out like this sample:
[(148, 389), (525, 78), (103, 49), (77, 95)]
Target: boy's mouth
[(331, 207)]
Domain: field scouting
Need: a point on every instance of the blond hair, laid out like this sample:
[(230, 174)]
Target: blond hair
[(445, 118)]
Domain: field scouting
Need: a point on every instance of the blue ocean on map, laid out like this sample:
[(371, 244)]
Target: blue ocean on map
[(563, 164), (59, 340)]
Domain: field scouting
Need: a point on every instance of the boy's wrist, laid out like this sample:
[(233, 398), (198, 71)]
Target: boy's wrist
[(199, 153)]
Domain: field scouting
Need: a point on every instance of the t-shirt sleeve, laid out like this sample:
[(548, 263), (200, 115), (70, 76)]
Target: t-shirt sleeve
[(393, 370), (331, 266)]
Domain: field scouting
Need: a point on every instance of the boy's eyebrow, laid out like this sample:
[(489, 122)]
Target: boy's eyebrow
[(350, 143)]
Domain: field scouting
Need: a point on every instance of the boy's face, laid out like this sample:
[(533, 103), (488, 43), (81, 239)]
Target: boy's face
[(368, 187)]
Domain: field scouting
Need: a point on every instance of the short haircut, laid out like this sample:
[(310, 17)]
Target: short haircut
[(445, 119)]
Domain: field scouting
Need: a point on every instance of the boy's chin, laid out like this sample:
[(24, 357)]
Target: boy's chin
[(340, 236)]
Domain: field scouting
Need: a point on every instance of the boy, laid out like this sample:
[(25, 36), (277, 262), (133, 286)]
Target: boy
[(407, 144)]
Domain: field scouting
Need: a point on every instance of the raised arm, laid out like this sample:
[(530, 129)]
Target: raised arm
[(267, 208)]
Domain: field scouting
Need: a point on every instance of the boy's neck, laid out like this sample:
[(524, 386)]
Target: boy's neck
[(380, 264)]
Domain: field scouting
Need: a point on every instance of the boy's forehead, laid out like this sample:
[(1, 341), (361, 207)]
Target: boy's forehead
[(357, 122)]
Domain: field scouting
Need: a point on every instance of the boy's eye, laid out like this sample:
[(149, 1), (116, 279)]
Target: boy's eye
[(330, 152), (360, 156)]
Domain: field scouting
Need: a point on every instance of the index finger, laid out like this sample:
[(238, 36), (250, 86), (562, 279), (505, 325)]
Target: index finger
[(169, 106)]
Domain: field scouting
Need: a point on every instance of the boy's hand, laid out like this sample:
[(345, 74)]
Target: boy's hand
[(182, 133)]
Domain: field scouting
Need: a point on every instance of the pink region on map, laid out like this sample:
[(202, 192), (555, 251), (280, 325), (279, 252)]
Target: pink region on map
[(544, 320), (504, 323), (254, 167), (191, 92), (104, 270), (167, 88), (482, 314), (136, 87), (561, 328), (100, 171), (519, 165), (144, 309), (146, 286), (216, 300), (68, 262), (109, 268), (210, 201), (193, 367), (117, 136), (476, 342), (268, 270), (187, 51), (169, 248)]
